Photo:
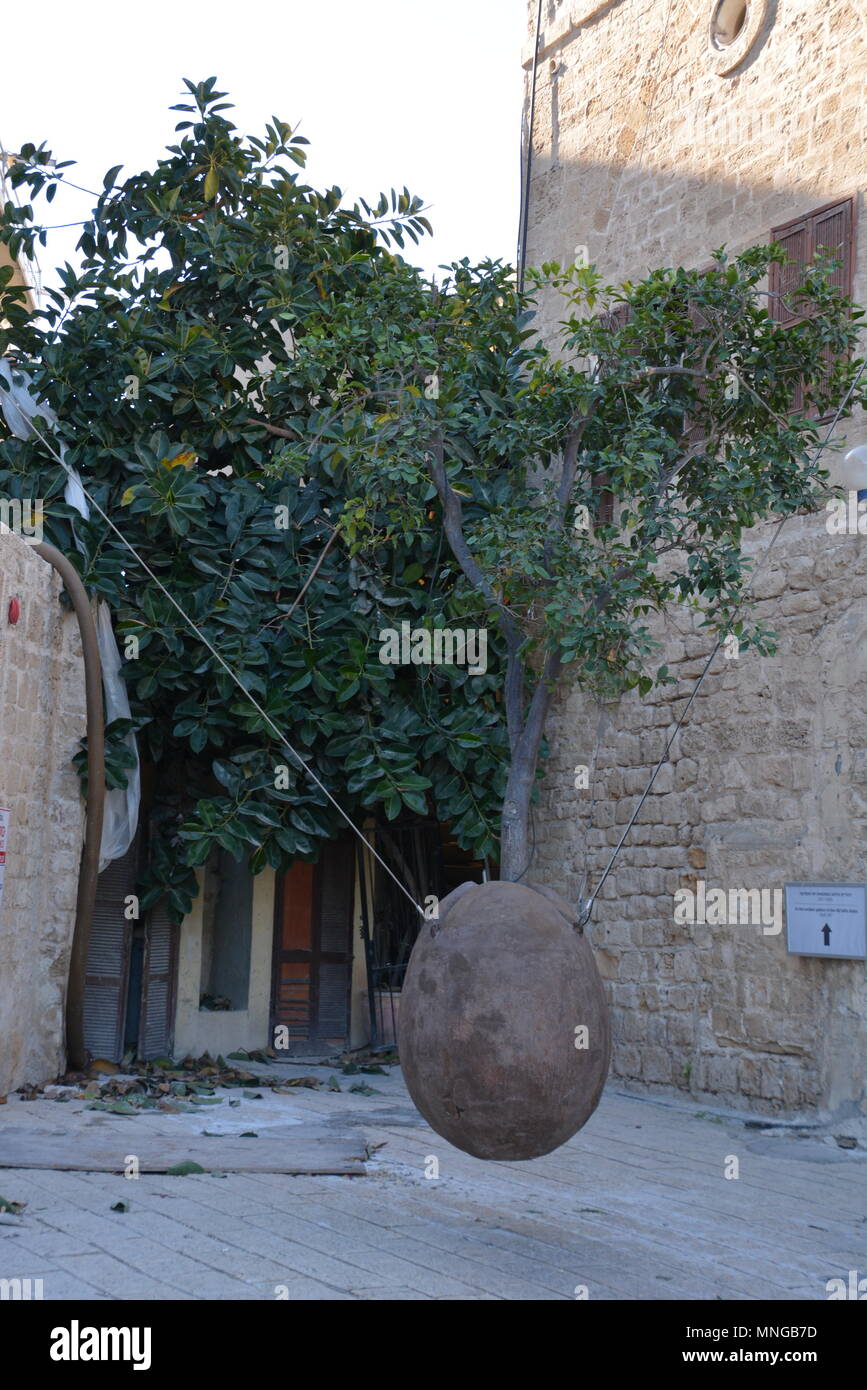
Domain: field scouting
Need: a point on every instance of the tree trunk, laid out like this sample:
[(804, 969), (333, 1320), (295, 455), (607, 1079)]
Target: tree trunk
[(515, 849)]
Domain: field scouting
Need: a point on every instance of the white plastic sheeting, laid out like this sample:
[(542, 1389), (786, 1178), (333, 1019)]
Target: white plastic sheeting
[(120, 819), (20, 408)]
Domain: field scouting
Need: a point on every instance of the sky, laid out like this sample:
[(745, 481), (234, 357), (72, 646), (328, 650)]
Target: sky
[(394, 93)]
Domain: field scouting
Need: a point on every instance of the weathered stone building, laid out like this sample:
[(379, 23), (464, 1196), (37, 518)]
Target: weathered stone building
[(42, 719), (662, 130)]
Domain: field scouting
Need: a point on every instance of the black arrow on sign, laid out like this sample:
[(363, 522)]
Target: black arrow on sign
[(826, 933)]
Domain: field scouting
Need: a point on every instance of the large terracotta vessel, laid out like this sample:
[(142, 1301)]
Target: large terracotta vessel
[(505, 1038)]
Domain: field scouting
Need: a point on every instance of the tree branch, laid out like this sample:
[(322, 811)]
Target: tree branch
[(453, 525), (567, 476), (313, 573), (273, 429)]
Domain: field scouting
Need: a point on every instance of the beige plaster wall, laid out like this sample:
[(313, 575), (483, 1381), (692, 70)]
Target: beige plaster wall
[(216, 1031)]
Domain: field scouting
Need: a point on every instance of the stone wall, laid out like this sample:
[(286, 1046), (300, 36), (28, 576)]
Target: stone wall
[(42, 718), (765, 785), (645, 153)]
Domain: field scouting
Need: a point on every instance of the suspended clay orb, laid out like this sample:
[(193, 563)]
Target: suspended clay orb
[(504, 1031)]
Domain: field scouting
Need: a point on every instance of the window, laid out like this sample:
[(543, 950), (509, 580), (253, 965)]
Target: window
[(227, 933), (734, 32), (829, 229), (728, 21)]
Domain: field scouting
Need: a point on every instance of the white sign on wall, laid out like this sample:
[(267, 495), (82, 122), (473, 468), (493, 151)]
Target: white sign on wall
[(5, 818), (827, 919)]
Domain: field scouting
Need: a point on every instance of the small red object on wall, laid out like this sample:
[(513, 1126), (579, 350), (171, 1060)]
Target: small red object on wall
[(14, 611)]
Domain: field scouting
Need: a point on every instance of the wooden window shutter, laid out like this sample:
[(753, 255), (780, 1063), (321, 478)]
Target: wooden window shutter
[(832, 234), (605, 505), (611, 321), (795, 240), (615, 318), (830, 229), (694, 432), (155, 1032), (106, 981)]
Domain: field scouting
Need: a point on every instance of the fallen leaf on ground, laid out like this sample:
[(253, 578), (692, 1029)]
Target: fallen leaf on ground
[(118, 1107), (103, 1068)]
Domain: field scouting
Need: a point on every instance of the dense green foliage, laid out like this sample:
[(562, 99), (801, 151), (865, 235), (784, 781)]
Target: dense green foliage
[(159, 356)]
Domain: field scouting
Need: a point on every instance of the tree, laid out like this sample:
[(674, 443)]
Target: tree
[(581, 495), (436, 461), (168, 359)]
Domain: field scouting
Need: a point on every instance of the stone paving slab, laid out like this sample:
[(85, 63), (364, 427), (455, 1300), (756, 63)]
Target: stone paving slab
[(636, 1207)]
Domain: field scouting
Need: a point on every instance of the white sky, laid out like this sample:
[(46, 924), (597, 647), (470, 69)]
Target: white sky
[(390, 93)]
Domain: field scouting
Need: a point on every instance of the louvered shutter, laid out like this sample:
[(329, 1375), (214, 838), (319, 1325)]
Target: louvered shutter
[(336, 895), (105, 988), (785, 279), (611, 321), (155, 1031), (830, 230), (695, 431), (832, 234), (615, 318)]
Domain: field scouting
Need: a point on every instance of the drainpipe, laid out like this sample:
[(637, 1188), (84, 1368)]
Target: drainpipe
[(76, 1056), (523, 227)]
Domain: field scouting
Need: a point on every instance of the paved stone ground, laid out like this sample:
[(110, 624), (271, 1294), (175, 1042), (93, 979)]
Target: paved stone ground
[(636, 1207)]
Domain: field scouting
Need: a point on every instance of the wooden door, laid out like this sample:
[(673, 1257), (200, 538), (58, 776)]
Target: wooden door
[(313, 949)]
